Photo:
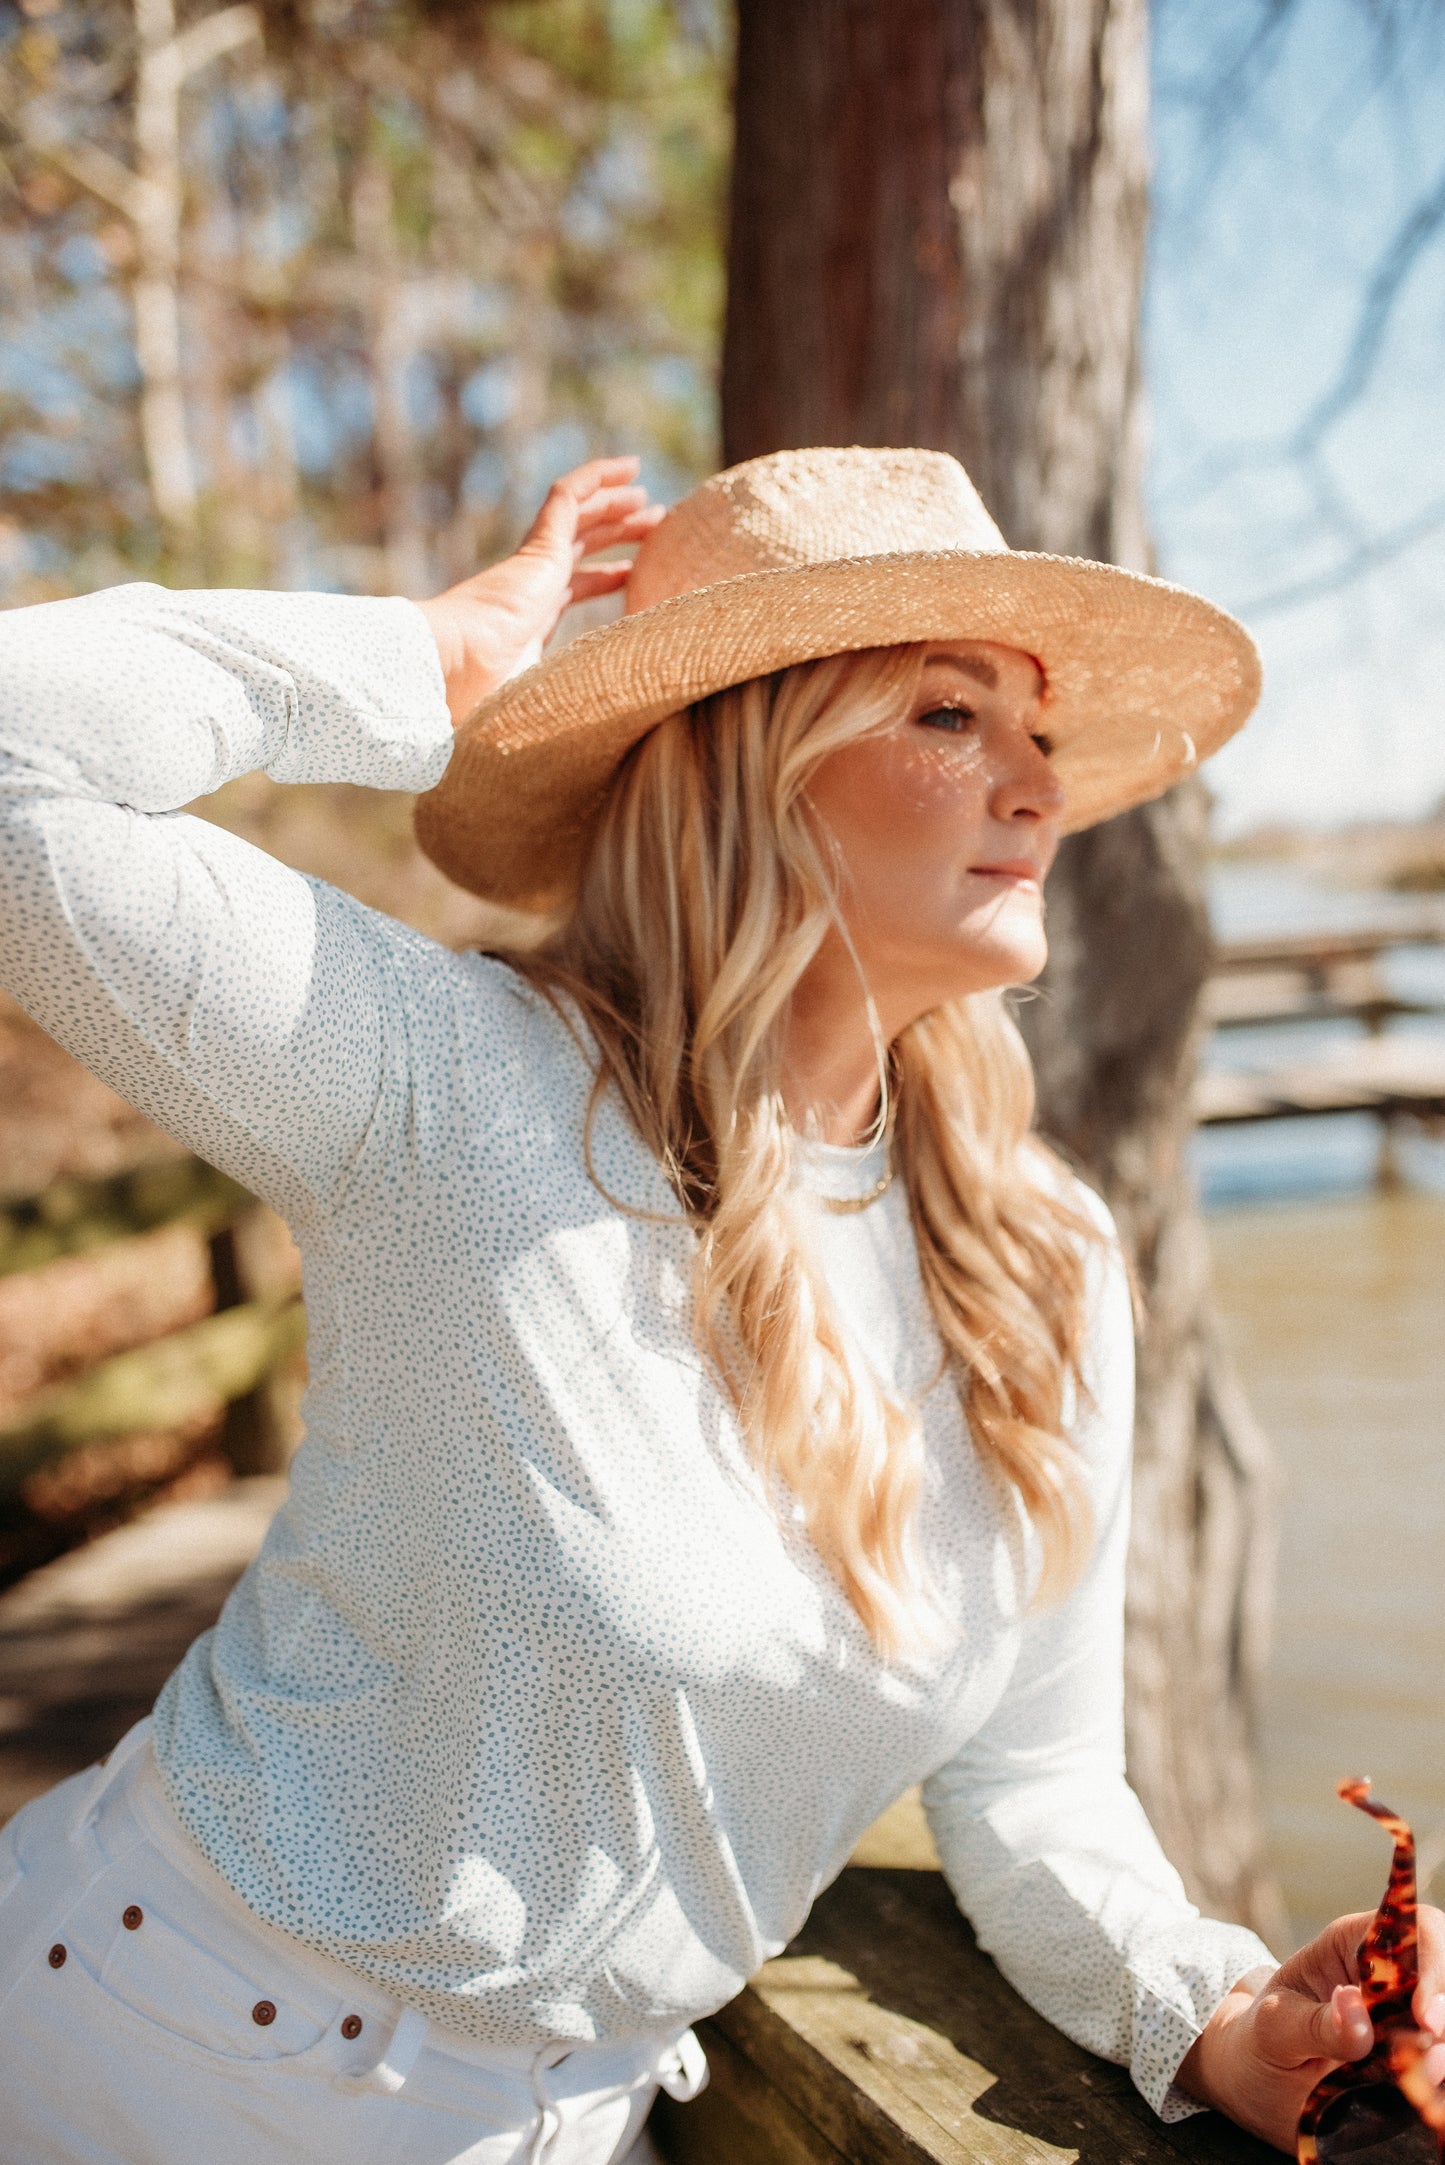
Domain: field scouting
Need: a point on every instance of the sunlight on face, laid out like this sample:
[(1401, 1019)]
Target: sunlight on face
[(945, 825)]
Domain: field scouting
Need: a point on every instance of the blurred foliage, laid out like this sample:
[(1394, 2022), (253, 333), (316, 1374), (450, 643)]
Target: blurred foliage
[(428, 257), (74, 1217)]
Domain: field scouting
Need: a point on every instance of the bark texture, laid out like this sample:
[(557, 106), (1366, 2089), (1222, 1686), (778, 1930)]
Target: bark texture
[(938, 223)]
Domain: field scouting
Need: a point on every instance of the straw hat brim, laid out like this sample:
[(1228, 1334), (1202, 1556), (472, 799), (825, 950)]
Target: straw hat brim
[(1142, 681)]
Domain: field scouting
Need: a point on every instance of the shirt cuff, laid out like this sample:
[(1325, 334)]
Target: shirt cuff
[(1164, 2031)]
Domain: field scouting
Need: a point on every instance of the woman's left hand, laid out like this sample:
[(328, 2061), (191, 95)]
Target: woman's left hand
[(498, 621), (1278, 2033)]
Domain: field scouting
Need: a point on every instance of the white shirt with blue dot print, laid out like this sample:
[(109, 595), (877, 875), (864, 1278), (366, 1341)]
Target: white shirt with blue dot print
[(530, 1709)]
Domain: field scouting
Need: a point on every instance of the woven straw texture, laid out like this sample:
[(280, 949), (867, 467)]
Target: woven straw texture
[(807, 553)]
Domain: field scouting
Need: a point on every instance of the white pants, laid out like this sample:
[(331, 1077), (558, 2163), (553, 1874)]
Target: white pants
[(148, 2018)]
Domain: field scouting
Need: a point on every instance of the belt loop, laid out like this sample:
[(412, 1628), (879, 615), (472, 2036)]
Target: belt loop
[(398, 2060), (135, 1739), (549, 2118), (104, 1778), (684, 2072)]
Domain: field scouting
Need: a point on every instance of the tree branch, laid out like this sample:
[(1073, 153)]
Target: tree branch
[(206, 40), (1380, 549), (1414, 235), (87, 164), (1300, 445), (95, 169)]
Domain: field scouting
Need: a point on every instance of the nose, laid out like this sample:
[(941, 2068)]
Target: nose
[(1026, 787)]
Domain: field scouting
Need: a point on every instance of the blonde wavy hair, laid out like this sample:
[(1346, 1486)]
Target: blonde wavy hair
[(707, 892)]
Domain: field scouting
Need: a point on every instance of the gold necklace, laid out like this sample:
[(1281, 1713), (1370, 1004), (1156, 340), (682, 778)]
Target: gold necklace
[(843, 1206)]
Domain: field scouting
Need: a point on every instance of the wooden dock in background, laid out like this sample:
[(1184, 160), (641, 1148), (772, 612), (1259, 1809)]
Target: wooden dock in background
[(1326, 977)]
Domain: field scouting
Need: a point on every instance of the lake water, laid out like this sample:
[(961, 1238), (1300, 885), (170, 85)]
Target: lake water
[(1333, 1295)]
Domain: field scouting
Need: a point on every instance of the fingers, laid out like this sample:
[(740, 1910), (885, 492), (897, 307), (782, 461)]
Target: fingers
[(499, 619), (631, 526), (576, 495), (598, 579), (571, 527), (597, 480), (1266, 2052), (1343, 2025), (618, 515), (1328, 1960), (608, 504), (1429, 2001), (595, 474), (1293, 2029), (599, 503)]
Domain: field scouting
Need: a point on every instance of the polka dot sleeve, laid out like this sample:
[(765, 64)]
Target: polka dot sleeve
[(1044, 1843), (244, 1007)]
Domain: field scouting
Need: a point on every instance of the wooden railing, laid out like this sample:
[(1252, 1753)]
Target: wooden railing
[(884, 2037), (1326, 977), (1318, 977), (143, 1318)]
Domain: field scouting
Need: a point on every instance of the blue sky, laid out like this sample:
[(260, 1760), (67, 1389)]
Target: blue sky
[(1278, 193)]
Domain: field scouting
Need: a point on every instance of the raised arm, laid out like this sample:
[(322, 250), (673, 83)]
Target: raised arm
[(240, 1005), (264, 1018)]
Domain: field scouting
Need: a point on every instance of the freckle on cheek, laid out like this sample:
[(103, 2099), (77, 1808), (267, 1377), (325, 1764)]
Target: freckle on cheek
[(931, 775)]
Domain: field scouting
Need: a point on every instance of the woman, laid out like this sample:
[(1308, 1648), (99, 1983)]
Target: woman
[(720, 1404)]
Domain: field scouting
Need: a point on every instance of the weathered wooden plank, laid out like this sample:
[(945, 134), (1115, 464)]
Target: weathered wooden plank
[(900, 1837), (880, 2086), (1375, 1075), (886, 2031), (741, 2118), (1325, 948), (1245, 1003)]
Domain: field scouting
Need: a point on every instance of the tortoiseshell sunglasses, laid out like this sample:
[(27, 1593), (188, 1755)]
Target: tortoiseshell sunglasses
[(1382, 2110)]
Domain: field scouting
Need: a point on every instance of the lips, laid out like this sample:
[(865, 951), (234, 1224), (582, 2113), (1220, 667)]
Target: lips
[(1013, 868)]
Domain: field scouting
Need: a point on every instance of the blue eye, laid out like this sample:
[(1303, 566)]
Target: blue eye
[(953, 719)]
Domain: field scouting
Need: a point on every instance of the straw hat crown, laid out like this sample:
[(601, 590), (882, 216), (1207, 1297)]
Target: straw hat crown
[(810, 507), (832, 551)]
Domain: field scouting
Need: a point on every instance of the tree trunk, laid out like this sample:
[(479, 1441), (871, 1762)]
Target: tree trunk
[(405, 565), (154, 201), (156, 291), (938, 223)]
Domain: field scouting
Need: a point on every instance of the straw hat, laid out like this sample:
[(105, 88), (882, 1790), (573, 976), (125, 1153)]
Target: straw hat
[(807, 553)]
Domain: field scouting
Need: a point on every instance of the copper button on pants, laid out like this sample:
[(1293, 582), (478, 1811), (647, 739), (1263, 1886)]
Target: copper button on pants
[(147, 2018)]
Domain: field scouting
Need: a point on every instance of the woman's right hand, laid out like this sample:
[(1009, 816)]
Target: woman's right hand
[(1280, 2032), (498, 621)]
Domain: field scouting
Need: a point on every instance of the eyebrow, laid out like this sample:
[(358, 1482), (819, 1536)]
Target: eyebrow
[(971, 665)]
